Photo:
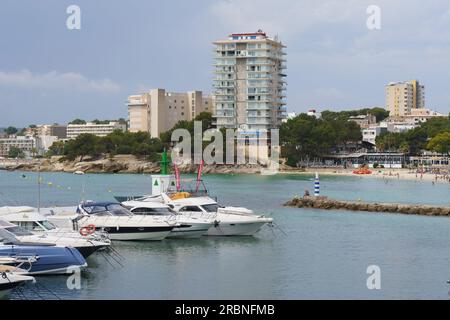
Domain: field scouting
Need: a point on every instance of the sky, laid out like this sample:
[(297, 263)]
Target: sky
[(51, 74)]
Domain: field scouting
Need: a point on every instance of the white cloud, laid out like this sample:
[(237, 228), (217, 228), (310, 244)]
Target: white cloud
[(56, 80)]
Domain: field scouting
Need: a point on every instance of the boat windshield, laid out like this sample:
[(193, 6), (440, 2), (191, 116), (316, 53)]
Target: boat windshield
[(211, 207), (47, 225), (163, 211), (118, 210), (18, 231), (114, 209)]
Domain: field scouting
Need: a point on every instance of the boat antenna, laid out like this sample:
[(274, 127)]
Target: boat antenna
[(164, 163)]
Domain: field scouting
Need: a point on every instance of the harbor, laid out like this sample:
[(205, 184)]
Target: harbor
[(286, 260)]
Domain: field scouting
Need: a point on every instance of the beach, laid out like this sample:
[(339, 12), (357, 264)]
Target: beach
[(385, 174)]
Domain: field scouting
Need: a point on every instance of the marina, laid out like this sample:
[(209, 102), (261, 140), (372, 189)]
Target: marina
[(286, 258)]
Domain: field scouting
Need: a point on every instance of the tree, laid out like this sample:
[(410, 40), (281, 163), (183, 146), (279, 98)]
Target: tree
[(307, 137), (78, 121), (379, 113), (15, 153), (440, 143), (11, 130)]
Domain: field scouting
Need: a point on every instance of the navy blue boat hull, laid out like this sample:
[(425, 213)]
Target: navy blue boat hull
[(50, 260)]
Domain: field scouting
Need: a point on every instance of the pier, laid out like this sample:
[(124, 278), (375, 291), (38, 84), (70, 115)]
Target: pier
[(325, 203)]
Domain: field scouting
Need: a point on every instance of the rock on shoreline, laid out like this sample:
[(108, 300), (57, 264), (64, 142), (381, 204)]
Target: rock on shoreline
[(122, 164), (330, 204)]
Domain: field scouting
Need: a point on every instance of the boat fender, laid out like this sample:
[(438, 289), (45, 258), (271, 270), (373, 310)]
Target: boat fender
[(216, 223), (84, 231)]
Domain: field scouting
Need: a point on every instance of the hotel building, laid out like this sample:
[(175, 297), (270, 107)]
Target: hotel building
[(158, 111), (403, 97), (100, 130), (25, 143), (249, 82)]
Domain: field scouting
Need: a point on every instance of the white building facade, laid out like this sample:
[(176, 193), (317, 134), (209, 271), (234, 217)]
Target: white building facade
[(249, 82), (100, 130)]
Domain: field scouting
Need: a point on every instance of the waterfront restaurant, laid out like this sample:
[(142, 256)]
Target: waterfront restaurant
[(357, 159)]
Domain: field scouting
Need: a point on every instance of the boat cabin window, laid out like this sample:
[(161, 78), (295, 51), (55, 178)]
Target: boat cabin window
[(118, 210), (47, 225), (153, 211), (29, 225), (114, 209), (190, 209), (211, 207), (18, 231)]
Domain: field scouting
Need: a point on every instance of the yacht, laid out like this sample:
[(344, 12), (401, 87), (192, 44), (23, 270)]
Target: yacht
[(189, 227), (11, 233), (42, 260), (228, 221), (10, 278), (113, 218)]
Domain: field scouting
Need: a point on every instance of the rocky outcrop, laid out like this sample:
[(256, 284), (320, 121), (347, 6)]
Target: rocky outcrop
[(330, 204), (123, 164)]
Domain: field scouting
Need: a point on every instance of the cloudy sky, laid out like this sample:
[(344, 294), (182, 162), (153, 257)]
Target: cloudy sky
[(49, 73)]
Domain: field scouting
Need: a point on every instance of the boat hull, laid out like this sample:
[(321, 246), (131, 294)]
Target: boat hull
[(235, 229), (86, 251), (190, 231), (138, 234), (50, 260)]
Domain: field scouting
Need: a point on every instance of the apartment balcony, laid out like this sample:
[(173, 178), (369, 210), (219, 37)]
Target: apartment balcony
[(224, 78), (259, 121), (218, 84), (264, 107), (222, 99), (223, 94)]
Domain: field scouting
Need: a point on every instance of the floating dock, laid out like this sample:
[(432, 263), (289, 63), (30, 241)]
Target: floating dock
[(325, 203)]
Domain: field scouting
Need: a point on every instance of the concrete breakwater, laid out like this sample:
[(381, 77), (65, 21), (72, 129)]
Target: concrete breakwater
[(330, 204)]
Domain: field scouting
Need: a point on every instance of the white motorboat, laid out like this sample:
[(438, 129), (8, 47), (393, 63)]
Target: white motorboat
[(113, 218), (37, 223), (228, 221), (13, 234), (10, 278), (189, 227)]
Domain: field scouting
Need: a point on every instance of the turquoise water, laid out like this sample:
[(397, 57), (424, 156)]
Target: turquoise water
[(323, 254)]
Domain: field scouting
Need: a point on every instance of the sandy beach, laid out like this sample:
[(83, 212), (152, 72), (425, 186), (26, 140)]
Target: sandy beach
[(383, 173)]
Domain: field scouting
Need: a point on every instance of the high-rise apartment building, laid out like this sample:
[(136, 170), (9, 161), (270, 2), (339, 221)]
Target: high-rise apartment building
[(402, 97), (249, 82), (158, 111)]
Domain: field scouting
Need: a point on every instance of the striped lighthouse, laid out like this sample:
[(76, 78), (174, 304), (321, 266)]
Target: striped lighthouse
[(316, 185)]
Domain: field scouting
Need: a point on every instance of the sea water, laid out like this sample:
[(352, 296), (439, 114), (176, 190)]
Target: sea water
[(309, 254)]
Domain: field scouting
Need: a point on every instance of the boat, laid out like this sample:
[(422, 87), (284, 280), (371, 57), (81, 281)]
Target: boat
[(11, 233), (194, 202), (228, 221), (362, 171), (113, 218), (189, 227), (35, 221), (10, 278), (42, 260)]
